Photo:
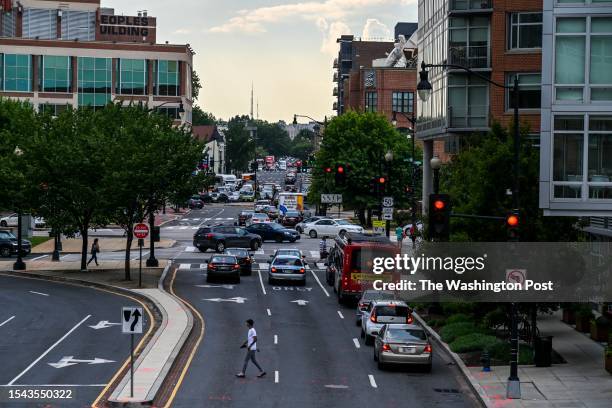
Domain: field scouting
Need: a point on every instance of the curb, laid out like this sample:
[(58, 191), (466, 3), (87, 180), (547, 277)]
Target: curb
[(474, 385)]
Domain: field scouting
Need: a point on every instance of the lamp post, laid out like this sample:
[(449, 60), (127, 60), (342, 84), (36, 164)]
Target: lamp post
[(436, 164), (317, 132), (413, 213), (388, 161), (424, 90), (19, 265)]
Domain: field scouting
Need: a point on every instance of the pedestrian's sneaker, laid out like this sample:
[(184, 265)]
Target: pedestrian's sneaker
[(261, 374), (240, 375)]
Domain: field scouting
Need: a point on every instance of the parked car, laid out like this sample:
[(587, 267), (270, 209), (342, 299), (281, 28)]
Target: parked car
[(219, 197), (403, 344), (9, 245), (243, 216), (234, 197), (381, 312), (287, 267), (195, 202), (299, 227), (260, 204), (366, 298), (290, 219), (271, 231), (9, 221), (206, 197), (330, 228), (245, 260), (223, 266), (256, 218), (221, 236)]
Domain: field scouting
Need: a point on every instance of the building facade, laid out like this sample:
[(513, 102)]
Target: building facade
[(75, 52), (576, 129), (499, 39)]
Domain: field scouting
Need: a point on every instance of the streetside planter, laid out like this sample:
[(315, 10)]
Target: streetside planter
[(569, 313), (583, 319), (600, 329)]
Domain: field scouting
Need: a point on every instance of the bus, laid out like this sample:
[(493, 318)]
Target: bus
[(223, 179)]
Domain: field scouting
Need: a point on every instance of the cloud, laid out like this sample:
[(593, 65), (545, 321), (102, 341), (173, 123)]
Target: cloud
[(331, 33), (374, 29), (182, 31), (255, 20)]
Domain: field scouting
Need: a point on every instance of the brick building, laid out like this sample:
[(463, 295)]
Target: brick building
[(75, 52)]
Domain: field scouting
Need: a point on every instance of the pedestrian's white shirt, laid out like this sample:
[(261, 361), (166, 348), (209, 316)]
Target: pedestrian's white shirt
[(250, 339)]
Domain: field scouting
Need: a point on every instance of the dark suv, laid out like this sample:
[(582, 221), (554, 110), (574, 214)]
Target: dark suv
[(8, 245), (223, 236)]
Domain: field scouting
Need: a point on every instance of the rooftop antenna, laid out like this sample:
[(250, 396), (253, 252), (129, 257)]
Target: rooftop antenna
[(257, 108), (251, 100)]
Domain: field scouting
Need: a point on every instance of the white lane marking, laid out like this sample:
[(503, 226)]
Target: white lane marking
[(263, 265), (39, 257), (267, 310), (12, 317), (204, 267), (337, 386), (65, 256), (276, 377), (275, 339), (219, 219), (263, 288), (205, 220), (196, 219), (190, 249), (169, 228), (52, 385), (319, 282), (307, 267), (183, 228), (356, 342), (340, 314), (321, 265), (138, 255), (194, 228), (38, 293), (314, 254), (372, 381), (185, 266), (48, 350), (259, 252)]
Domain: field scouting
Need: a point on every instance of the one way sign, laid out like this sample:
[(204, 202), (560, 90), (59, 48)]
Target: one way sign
[(131, 319)]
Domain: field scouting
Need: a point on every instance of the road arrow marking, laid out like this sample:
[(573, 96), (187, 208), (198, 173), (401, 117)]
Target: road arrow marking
[(300, 302), (234, 300), (104, 324), (216, 286), (67, 361)]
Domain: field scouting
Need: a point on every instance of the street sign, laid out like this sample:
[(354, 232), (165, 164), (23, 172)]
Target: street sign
[(516, 276), (387, 217), (379, 226), (387, 202), (331, 198), (131, 318), (141, 231), (387, 211)]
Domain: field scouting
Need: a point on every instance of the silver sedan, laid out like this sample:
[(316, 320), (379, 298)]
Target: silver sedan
[(403, 344)]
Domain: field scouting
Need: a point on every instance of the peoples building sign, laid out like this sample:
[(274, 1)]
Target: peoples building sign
[(126, 28)]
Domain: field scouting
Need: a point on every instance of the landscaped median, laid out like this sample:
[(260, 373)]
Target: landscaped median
[(74, 245)]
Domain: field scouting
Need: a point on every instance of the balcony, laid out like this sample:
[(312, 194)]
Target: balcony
[(458, 7), (335, 77), (335, 63), (335, 93), (335, 106), (468, 118), (476, 57)]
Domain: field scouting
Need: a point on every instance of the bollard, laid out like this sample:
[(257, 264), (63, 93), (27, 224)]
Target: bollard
[(485, 359)]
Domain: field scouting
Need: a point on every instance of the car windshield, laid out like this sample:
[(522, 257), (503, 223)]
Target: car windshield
[(405, 334), (292, 214), (6, 235), (237, 252), (392, 310), (275, 226), (223, 259), (259, 215), (288, 262), (343, 222), (246, 213), (291, 252)]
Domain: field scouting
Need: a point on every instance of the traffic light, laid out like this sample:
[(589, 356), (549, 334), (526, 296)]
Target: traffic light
[(512, 225), (439, 216), (327, 170), (341, 175), (382, 184)]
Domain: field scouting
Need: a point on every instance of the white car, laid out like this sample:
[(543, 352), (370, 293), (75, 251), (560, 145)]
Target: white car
[(300, 225), (257, 218), (234, 196), (12, 221), (381, 312), (330, 228)]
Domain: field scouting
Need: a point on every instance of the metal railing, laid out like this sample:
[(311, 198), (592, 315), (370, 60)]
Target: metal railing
[(470, 5), (335, 92), (470, 56), (335, 62)]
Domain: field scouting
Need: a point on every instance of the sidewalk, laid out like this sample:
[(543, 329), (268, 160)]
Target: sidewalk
[(170, 215), (582, 382), (107, 244)]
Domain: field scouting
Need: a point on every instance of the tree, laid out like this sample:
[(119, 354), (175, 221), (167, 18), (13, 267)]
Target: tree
[(359, 142), (477, 180), (272, 138), (196, 85), (302, 145), (201, 118), (238, 145)]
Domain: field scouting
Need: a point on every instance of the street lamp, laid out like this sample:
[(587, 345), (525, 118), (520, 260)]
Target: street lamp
[(388, 160), (436, 164), (389, 156), (424, 89), (19, 265)]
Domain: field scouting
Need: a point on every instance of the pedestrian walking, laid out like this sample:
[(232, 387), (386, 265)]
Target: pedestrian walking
[(95, 248), (323, 248), (399, 234), (251, 345)]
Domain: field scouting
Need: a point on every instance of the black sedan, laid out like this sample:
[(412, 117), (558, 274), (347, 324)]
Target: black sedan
[(244, 259), (271, 231), (223, 266)]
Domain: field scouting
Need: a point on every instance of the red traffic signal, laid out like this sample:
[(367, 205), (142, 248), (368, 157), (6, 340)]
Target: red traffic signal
[(382, 180), (512, 220), (328, 170), (340, 169), (439, 204)]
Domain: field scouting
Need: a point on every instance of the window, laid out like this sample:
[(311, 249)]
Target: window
[(403, 102), (52, 109), (17, 72), (469, 41), (40, 23), (167, 74), (600, 73), (8, 24), (468, 102), (79, 25), (371, 101), (570, 43), (525, 31), (55, 74), (95, 81), (530, 91), (171, 112), (132, 77)]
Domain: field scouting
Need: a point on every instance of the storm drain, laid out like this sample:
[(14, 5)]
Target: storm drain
[(447, 390)]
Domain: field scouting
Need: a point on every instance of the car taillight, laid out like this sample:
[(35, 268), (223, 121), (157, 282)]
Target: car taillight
[(362, 305), (236, 266), (211, 266), (209, 236), (427, 349), (302, 270), (409, 319), (273, 270), (373, 318), (386, 347)]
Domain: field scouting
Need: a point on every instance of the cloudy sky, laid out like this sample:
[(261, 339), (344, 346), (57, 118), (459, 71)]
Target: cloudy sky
[(285, 48)]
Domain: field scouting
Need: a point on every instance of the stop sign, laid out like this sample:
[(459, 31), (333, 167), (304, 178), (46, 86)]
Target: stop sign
[(141, 231)]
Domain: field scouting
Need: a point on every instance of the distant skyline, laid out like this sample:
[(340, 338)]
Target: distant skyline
[(284, 48)]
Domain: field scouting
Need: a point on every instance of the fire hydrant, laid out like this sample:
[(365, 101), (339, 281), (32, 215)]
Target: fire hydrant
[(485, 359)]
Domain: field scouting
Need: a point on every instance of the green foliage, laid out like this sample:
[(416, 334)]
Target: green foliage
[(477, 180), (473, 342), (302, 145), (451, 331), (500, 351), (457, 307), (239, 146), (200, 118), (459, 318), (196, 85), (494, 318), (584, 311), (35, 241)]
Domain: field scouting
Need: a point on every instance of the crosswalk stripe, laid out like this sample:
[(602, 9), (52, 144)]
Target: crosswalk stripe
[(320, 265), (190, 249), (263, 265), (194, 228), (260, 252), (307, 267), (170, 228), (184, 266), (195, 219), (183, 228), (203, 266), (314, 254)]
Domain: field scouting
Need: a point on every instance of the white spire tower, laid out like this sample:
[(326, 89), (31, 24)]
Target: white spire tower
[(252, 100)]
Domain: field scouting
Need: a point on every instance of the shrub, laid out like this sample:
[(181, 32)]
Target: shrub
[(458, 307), (437, 322), (459, 318), (494, 318), (451, 331), (473, 342), (501, 352)]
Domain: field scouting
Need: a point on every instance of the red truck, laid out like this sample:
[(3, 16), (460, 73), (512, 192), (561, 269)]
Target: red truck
[(270, 162)]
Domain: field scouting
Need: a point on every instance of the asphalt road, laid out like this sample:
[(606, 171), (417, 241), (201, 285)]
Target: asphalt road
[(312, 353), (43, 322)]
